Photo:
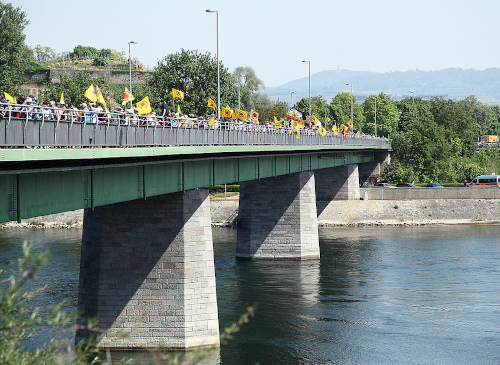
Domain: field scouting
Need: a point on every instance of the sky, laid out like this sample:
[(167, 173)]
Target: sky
[(274, 37)]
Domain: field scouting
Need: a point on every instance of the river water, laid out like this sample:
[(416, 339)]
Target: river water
[(378, 295)]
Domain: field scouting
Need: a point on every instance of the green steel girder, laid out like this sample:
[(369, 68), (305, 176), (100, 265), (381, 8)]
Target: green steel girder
[(32, 194)]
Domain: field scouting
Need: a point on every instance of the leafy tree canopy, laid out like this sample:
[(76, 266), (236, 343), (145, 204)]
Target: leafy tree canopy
[(194, 74), (387, 115), (15, 56), (247, 84)]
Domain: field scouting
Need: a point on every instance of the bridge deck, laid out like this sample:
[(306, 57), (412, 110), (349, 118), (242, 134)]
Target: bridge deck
[(50, 166)]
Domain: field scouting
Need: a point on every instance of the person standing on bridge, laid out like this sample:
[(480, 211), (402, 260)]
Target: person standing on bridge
[(165, 111)]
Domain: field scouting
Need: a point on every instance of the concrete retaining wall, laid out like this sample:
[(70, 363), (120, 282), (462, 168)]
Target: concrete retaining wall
[(111, 76), (429, 211), (430, 193)]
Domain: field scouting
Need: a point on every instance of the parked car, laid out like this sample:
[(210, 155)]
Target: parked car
[(434, 185), (383, 185), (406, 185)]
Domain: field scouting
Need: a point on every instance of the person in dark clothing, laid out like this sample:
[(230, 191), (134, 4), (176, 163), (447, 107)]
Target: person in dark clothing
[(165, 111)]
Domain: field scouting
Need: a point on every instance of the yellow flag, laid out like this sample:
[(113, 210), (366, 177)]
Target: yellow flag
[(240, 114), (296, 131), (127, 96), (315, 120), (91, 94), (277, 123), (62, 98), (144, 107), (9, 98), (227, 112), (254, 116), (211, 104), (177, 94), (349, 124), (322, 131), (100, 98), (335, 130), (178, 109)]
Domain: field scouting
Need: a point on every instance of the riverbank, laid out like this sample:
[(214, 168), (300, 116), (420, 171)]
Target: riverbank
[(334, 213)]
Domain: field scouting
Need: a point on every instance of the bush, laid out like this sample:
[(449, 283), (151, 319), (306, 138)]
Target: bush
[(98, 61), (220, 188)]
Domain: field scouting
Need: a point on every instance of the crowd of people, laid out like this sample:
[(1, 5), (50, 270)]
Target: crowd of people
[(93, 113)]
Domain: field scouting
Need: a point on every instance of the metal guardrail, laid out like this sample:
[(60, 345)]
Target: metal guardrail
[(53, 127)]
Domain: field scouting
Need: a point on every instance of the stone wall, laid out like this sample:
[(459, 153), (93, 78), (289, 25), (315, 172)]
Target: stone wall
[(430, 193), (396, 212), (111, 76)]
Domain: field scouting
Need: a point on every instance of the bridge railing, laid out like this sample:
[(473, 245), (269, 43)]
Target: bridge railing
[(53, 127)]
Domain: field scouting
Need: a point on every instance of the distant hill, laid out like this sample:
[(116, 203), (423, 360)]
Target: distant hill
[(452, 83)]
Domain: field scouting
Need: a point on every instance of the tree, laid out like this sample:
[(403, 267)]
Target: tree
[(194, 74), (342, 105), (15, 56), (457, 122), (495, 114), (318, 107), (387, 115), (480, 113), (249, 85), (43, 53), (267, 111)]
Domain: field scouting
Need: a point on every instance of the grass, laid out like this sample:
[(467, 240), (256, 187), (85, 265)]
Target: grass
[(37, 223)]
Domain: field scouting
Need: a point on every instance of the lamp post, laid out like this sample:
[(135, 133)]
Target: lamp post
[(239, 89), (352, 122), (130, 69), (218, 69), (413, 96), (375, 98), (309, 62), (291, 95)]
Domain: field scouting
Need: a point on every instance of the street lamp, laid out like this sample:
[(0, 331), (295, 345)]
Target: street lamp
[(413, 96), (218, 70), (239, 89), (291, 94), (375, 98), (130, 69), (352, 122), (309, 62)]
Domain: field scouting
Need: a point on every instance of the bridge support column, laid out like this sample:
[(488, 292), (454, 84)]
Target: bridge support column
[(375, 168), (277, 218), (337, 183), (147, 268)]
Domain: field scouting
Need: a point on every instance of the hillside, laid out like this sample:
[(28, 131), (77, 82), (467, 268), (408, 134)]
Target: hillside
[(453, 83)]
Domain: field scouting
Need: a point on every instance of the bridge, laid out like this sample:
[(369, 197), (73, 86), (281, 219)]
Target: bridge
[(147, 261)]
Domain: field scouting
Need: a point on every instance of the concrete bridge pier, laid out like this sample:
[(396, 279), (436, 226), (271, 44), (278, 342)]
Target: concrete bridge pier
[(337, 183), (374, 168), (277, 218), (147, 268)]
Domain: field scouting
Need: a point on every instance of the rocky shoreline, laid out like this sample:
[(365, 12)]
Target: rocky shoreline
[(332, 214)]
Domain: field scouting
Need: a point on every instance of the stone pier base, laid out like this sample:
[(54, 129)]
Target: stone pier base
[(337, 183), (147, 269), (277, 218)]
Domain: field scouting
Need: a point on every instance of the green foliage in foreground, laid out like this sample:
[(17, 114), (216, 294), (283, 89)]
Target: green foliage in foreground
[(20, 320)]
